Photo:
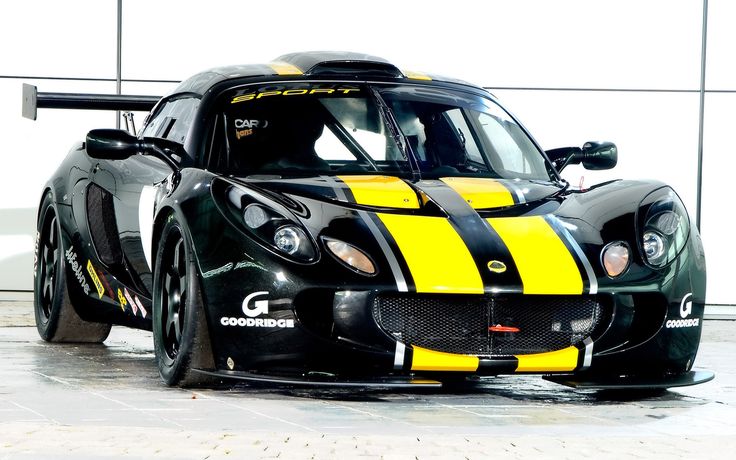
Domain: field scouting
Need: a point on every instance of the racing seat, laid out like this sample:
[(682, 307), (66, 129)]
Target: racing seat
[(295, 133), (443, 143)]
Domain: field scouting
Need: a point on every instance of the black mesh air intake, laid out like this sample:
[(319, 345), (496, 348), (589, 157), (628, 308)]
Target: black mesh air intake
[(102, 226), (460, 324)]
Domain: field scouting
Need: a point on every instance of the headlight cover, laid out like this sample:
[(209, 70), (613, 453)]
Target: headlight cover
[(351, 256), (664, 227), (615, 258), (273, 224)]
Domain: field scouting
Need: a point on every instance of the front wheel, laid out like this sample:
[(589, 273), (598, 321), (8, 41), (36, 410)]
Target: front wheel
[(180, 334), (56, 319)]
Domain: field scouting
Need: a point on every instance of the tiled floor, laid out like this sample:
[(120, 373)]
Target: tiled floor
[(106, 401)]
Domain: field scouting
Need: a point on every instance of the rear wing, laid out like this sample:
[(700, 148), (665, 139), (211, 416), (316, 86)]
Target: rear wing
[(33, 100)]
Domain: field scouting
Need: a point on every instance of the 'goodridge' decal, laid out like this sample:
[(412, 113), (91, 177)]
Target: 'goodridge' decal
[(253, 310)]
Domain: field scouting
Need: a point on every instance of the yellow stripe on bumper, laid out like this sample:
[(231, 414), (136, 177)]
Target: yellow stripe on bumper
[(480, 193), (437, 257), (544, 262), (384, 191), (553, 361), (284, 68), (429, 360)]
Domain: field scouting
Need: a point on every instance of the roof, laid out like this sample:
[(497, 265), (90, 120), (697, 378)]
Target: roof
[(312, 63)]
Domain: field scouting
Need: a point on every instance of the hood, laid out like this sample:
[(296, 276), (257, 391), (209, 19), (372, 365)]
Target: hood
[(456, 235)]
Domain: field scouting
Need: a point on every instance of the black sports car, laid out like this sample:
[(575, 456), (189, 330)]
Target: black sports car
[(330, 219)]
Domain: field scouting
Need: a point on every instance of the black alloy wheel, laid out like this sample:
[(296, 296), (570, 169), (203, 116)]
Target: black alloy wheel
[(174, 295), (48, 261), (180, 334), (56, 318)]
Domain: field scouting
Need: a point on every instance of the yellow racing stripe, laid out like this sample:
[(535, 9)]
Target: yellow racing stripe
[(284, 68), (429, 360), (544, 262), (437, 257), (554, 361), (416, 75), (480, 193), (384, 191)]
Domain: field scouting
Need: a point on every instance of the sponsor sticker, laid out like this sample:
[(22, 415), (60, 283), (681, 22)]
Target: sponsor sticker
[(239, 134), (95, 279), (276, 91), (130, 300), (686, 306), (135, 303), (679, 323), (35, 254), (143, 311), (121, 299), (686, 309), (71, 258), (240, 124), (253, 309)]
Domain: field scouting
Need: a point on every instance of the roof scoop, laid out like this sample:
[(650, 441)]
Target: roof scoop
[(342, 63)]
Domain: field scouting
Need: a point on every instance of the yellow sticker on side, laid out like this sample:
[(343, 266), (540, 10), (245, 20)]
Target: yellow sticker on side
[(383, 191), (480, 193), (429, 360), (121, 299), (544, 262), (95, 279), (437, 257), (284, 68), (554, 361)]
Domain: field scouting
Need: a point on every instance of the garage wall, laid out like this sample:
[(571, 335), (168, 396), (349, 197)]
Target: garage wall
[(572, 70)]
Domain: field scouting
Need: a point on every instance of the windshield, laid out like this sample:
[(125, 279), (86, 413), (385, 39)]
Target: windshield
[(411, 131)]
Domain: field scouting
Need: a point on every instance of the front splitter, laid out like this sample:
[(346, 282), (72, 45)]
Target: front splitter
[(633, 382)]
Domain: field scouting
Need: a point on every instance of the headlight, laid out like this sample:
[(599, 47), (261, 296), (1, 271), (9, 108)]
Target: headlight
[(351, 256), (664, 226), (255, 216), (654, 248), (289, 239), (615, 258)]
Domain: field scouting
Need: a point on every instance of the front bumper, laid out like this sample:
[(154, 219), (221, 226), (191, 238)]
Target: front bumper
[(344, 334)]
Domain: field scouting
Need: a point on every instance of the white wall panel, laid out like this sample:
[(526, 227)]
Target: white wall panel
[(565, 43), (69, 38), (720, 65), (718, 211), (656, 133)]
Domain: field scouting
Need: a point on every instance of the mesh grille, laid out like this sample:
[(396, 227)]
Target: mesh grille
[(102, 226), (459, 324)]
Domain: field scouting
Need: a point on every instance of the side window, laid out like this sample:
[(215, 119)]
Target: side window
[(173, 120)]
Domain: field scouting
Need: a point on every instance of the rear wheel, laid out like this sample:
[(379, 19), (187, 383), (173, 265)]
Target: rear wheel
[(56, 319), (180, 334)]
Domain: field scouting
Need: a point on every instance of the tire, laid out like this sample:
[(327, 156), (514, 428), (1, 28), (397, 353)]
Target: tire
[(180, 333), (56, 319)]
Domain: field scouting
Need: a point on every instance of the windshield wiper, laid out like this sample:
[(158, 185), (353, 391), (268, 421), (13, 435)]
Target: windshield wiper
[(396, 134)]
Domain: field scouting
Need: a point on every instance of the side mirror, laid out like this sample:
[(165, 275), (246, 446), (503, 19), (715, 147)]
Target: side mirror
[(599, 155), (118, 144), (111, 144), (593, 155)]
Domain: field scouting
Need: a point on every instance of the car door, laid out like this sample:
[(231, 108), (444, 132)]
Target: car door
[(125, 193)]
